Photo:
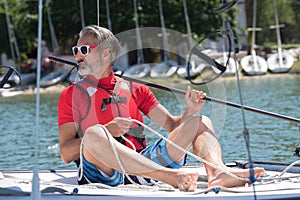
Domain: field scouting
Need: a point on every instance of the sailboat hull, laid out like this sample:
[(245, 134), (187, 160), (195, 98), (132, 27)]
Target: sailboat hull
[(250, 68), (230, 68), (138, 71), (164, 69), (276, 67)]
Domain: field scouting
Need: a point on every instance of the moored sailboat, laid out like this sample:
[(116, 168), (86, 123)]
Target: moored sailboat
[(282, 61), (167, 67), (254, 64)]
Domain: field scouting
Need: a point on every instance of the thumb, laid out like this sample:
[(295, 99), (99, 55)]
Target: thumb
[(188, 92)]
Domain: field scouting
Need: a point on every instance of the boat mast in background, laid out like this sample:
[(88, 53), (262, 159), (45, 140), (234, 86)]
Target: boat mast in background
[(277, 27), (281, 61), (254, 64), (108, 15), (166, 55), (139, 45), (54, 42), (14, 48), (82, 13), (98, 12), (193, 71), (140, 69), (167, 67), (188, 25)]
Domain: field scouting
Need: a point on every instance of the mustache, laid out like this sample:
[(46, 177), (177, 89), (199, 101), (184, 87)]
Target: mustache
[(80, 61)]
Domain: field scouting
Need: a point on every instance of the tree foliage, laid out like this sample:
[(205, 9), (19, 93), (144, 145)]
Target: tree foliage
[(66, 18), (287, 14)]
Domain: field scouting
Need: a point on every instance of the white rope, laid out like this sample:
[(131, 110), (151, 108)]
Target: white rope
[(288, 167), (80, 173), (110, 139), (277, 177), (131, 144), (189, 153)]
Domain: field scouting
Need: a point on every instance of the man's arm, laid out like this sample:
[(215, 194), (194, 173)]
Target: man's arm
[(160, 115), (69, 144)]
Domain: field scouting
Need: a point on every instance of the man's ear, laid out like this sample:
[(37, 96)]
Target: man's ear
[(106, 52)]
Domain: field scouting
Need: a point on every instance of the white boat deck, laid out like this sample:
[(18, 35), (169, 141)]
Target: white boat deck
[(62, 184)]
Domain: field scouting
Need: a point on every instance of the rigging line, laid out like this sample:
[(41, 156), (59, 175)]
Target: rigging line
[(36, 194), (178, 91), (245, 130)]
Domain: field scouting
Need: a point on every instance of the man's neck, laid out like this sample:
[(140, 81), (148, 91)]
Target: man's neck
[(104, 74)]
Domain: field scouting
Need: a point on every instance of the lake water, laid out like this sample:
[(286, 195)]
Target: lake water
[(271, 139)]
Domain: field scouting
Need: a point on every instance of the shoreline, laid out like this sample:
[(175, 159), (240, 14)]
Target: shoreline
[(58, 88)]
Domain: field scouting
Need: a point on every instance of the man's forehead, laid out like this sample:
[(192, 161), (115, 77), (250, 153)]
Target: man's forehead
[(86, 40)]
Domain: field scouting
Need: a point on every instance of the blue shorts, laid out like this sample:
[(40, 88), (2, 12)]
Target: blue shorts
[(156, 152)]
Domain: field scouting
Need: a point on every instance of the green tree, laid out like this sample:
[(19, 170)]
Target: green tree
[(66, 18), (265, 19)]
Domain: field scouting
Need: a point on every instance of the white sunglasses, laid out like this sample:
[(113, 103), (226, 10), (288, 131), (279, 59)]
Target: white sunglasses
[(84, 49)]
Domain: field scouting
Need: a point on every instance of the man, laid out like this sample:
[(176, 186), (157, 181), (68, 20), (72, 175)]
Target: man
[(96, 126)]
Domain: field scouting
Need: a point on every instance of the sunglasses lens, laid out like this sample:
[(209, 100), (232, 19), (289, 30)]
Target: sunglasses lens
[(75, 50), (84, 50)]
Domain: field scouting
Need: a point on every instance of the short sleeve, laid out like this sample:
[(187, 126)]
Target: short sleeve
[(65, 111), (144, 98)]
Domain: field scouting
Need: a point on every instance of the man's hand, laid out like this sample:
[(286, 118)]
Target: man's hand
[(195, 100), (118, 126)]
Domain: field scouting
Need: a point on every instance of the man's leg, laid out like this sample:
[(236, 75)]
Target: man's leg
[(99, 151), (198, 133)]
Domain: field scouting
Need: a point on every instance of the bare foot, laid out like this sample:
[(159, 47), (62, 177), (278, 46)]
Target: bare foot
[(225, 180), (187, 181)]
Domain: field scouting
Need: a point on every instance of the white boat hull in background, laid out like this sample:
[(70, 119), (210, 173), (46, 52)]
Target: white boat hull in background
[(22, 80), (276, 67), (230, 68), (195, 69), (254, 65), (164, 69), (138, 71), (54, 77), (10, 93)]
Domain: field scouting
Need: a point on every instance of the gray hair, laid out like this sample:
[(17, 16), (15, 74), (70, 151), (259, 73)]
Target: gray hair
[(103, 38)]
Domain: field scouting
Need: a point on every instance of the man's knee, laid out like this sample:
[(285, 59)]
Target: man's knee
[(203, 123), (200, 120), (94, 133), (206, 120)]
